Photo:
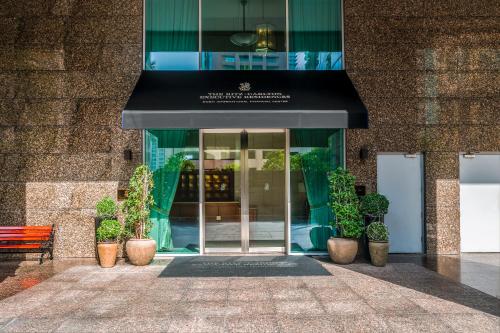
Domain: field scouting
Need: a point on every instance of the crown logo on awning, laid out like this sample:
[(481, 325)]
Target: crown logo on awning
[(245, 86)]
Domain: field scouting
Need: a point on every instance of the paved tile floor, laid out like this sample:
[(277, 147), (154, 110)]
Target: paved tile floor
[(401, 297)]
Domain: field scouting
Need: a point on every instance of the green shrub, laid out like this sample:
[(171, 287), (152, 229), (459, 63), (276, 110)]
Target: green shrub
[(109, 231), (377, 232), (139, 200), (375, 205), (106, 208), (345, 204)]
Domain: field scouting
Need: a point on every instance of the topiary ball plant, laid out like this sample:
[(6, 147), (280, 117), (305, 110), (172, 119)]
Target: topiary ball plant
[(109, 231), (374, 205), (377, 232), (106, 208)]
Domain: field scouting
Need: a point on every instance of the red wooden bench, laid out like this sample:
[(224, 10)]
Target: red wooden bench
[(27, 239)]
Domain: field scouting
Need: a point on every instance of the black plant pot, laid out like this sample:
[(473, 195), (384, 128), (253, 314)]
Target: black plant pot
[(364, 240)]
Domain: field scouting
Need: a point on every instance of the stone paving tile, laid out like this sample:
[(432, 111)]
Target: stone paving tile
[(441, 306), (416, 323), (393, 305), (309, 324), (125, 299), (252, 324), (64, 303), (292, 294), (25, 325), (347, 307), (477, 323), (222, 283), (211, 324), (290, 307), (247, 283), (249, 295), (335, 294), (202, 309), (250, 308), (205, 295)]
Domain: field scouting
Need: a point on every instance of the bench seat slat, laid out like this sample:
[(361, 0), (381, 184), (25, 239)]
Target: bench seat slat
[(33, 235), (20, 246), (24, 230), (23, 239)]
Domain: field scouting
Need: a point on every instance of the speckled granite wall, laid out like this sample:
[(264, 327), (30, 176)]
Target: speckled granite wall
[(427, 70), (429, 73), (66, 70)]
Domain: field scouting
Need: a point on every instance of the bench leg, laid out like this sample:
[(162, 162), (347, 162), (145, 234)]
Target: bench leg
[(51, 255), (41, 257)]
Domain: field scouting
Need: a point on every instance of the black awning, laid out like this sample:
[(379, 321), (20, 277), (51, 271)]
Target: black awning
[(244, 99)]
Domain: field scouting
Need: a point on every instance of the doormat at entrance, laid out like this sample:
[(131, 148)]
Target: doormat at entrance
[(239, 266)]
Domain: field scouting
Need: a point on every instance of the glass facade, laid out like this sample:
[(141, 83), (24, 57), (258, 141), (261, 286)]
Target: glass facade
[(173, 157), (244, 175), (313, 154), (243, 35)]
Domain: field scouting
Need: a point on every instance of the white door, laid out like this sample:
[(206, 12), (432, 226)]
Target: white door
[(480, 203), (399, 178)]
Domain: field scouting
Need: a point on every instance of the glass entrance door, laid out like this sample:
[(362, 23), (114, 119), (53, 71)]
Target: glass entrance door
[(244, 190)]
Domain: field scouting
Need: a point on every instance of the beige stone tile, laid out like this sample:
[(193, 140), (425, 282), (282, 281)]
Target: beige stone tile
[(347, 307), (252, 324)]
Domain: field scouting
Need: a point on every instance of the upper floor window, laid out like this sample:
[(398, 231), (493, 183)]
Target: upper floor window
[(243, 34)]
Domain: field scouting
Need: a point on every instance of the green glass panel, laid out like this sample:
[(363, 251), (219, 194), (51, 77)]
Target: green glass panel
[(315, 25), (171, 25), (173, 157), (313, 154)]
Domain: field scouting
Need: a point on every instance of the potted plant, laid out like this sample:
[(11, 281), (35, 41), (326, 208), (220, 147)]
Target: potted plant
[(373, 207), (107, 236), (378, 237), (348, 222), (106, 209), (139, 247)]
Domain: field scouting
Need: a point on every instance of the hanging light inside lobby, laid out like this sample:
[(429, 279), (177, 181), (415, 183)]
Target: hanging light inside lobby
[(266, 39), (243, 38)]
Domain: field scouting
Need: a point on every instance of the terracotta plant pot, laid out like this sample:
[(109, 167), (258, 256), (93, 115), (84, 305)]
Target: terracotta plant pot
[(342, 250), (107, 254), (378, 253), (140, 252)]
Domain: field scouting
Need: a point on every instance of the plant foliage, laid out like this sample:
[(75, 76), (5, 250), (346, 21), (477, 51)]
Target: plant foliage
[(375, 205), (137, 205), (109, 231), (377, 232), (106, 208), (345, 204)]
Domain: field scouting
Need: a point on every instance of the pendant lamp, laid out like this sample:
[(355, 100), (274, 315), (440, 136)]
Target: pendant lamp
[(243, 38)]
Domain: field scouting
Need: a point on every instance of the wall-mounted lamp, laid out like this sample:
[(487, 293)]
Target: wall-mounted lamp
[(363, 153), (127, 155)]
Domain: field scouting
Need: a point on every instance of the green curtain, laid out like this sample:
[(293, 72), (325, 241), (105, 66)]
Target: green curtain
[(315, 166), (171, 26), (315, 25), (166, 179)]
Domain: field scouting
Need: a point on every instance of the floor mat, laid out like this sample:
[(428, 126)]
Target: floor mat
[(250, 266)]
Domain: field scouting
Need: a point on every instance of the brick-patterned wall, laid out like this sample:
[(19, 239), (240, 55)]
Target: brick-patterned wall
[(428, 72), (426, 69), (66, 70)]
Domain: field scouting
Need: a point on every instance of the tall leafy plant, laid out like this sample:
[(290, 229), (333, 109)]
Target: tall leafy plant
[(137, 205), (345, 204)]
